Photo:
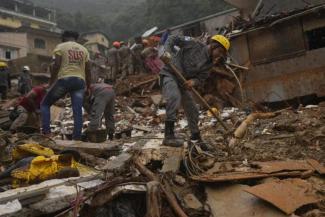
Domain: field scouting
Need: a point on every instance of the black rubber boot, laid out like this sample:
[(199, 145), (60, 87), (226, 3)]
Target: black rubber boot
[(170, 138), (196, 137)]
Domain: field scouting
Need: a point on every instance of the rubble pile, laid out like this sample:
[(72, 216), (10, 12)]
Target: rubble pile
[(266, 160)]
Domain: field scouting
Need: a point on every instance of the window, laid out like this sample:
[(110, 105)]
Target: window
[(39, 43), (316, 38), (278, 42), (8, 55)]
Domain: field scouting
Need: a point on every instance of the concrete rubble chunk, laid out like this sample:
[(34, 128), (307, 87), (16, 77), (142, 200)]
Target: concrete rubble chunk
[(191, 202), (117, 163), (232, 201), (62, 196), (156, 99), (10, 208), (288, 195)]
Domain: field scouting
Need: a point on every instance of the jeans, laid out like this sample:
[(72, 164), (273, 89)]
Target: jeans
[(76, 88)]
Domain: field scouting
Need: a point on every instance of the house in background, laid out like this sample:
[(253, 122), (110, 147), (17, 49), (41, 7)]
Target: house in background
[(96, 42), (283, 45), (28, 34)]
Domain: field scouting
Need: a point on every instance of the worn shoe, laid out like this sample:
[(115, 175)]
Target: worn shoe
[(170, 138)]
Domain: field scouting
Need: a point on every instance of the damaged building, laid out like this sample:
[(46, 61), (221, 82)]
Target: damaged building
[(28, 35), (283, 46)]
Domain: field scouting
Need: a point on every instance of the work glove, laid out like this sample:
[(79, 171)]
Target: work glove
[(189, 84), (166, 57)]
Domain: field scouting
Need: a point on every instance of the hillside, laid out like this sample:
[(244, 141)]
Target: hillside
[(122, 19)]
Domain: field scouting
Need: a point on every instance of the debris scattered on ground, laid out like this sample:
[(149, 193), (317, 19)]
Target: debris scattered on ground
[(134, 175)]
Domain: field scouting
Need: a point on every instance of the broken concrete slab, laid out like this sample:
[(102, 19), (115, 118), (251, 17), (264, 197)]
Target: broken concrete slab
[(36, 190), (91, 148), (62, 196), (153, 150), (116, 164), (232, 201), (288, 195), (173, 161)]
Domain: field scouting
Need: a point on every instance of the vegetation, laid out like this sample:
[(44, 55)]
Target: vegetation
[(122, 19)]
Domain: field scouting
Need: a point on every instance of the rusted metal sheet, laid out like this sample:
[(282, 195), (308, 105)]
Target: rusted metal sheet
[(287, 195), (286, 79), (238, 176), (317, 166), (279, 41)]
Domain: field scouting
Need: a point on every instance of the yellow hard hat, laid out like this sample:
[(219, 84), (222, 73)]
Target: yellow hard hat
[(3, 64), (222, 40)]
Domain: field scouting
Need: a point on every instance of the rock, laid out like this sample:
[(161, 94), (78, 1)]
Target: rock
[(156, 99), (232, 201), (191, 202), (179, 180)]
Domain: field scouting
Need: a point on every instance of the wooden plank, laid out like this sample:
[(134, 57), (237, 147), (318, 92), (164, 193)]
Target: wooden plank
[(37, 190), (236, 176)]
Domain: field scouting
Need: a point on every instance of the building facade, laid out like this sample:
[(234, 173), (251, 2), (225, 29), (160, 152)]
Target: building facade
[(96, 42), (26, 29), (285, 54)]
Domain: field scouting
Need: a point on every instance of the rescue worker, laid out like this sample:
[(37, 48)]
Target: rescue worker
[(70, 74), (101, 100), (114, 60), (5, 83), (194, 59), (25, 81), (137, 49), (125, 60), (29, 106)]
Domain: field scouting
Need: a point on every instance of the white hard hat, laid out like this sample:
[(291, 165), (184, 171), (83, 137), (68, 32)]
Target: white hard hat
[(26, 68)]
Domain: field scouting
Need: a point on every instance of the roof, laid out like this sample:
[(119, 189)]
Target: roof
[(94, 32), (202, 19), (278, 7), (279, 15)]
